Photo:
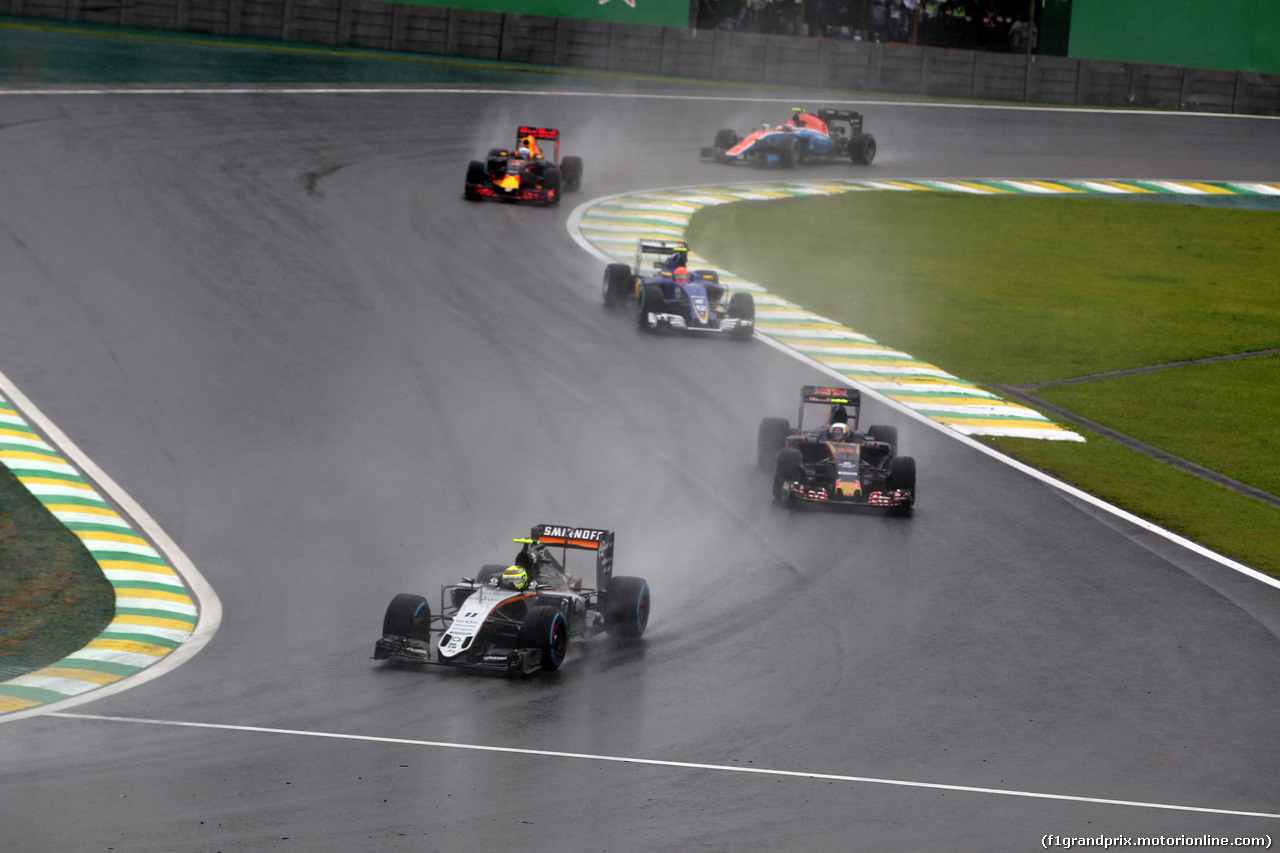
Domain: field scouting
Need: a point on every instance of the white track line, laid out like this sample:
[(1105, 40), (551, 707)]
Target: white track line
[(679, 765)]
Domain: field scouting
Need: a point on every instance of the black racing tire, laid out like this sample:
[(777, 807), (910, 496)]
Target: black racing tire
[(884, 432), (408, 616), (571, 171), (476, 174), (726, 138), (489, 570), (546, 629), (651, 300), (770, 438), (788, 153), (862, 150), (902, 475), (787, 465), (742, 306), (625, 607), (551, 182), (619, 285)]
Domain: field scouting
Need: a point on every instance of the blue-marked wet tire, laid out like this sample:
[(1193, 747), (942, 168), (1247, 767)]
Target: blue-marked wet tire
[(408, 616), (651, 301), (545, 629), (626, 607)]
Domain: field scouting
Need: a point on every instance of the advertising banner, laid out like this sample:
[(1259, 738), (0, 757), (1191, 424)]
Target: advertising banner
[(657, 13)]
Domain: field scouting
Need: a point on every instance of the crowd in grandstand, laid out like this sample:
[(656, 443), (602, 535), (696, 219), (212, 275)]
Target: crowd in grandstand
[(990, 25)]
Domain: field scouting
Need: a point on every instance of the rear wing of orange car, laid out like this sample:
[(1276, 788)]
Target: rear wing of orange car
[(580, 539), (536, 135)]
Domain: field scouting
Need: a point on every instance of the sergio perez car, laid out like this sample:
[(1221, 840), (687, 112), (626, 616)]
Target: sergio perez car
[(525, 173), (668, 295), (835, 465), (806, 137), (484, 624)]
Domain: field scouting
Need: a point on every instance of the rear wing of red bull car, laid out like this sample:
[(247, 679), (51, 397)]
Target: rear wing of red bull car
[(580, 539), (538, 134)]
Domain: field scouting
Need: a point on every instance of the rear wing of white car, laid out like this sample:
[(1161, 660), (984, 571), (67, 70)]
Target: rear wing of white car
[(580, 539)]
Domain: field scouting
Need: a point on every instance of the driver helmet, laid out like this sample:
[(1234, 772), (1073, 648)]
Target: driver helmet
[(839, 432), (514, 577), (524, 153), (682, 275)]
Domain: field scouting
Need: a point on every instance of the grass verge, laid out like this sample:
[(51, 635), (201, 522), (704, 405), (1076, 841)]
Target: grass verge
[(1013, 290), (53, 596)]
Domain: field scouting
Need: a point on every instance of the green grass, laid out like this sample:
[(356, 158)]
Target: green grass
[(53, 596), (1013, 290), (1224, 416)]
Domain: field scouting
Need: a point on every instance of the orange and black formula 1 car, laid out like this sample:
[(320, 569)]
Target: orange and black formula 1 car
[(835, 465), (519, 618), (525, 173), (807, 137)]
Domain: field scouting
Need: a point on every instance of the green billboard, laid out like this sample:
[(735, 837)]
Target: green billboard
[(1225, 35), (657, 13)]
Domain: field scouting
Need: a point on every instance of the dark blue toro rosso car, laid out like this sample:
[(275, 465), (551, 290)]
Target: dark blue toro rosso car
[(668, 295), (807, 137), (834, 465)]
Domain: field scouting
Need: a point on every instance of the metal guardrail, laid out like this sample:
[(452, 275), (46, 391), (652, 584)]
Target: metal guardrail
[(738, 57)]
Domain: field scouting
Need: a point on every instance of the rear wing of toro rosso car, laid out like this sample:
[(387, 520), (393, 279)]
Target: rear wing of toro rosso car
[(849, 398), (579, 539)]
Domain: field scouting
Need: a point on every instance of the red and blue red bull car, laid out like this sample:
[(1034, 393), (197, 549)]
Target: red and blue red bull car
[(669, 295), (834, 465), (805, 138), (519, 618), (525, 173)]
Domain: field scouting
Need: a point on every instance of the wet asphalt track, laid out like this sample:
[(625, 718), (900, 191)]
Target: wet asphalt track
[(274, 321)]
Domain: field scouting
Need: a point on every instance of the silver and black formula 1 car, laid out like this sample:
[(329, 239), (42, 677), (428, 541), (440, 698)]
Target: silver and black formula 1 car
[(835, 465), (525, 173), (519, 618), (805, 138), (668, 295)]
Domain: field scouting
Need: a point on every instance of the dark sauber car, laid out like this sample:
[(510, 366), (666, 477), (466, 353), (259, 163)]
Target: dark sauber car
[(525, 173), (668, 295), (485, 623), (834, 465)]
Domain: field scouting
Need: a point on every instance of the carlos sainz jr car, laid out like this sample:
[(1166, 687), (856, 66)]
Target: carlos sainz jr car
[(806, 137), (668, 295), (519, 618), (525, 173), (834, 465)]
